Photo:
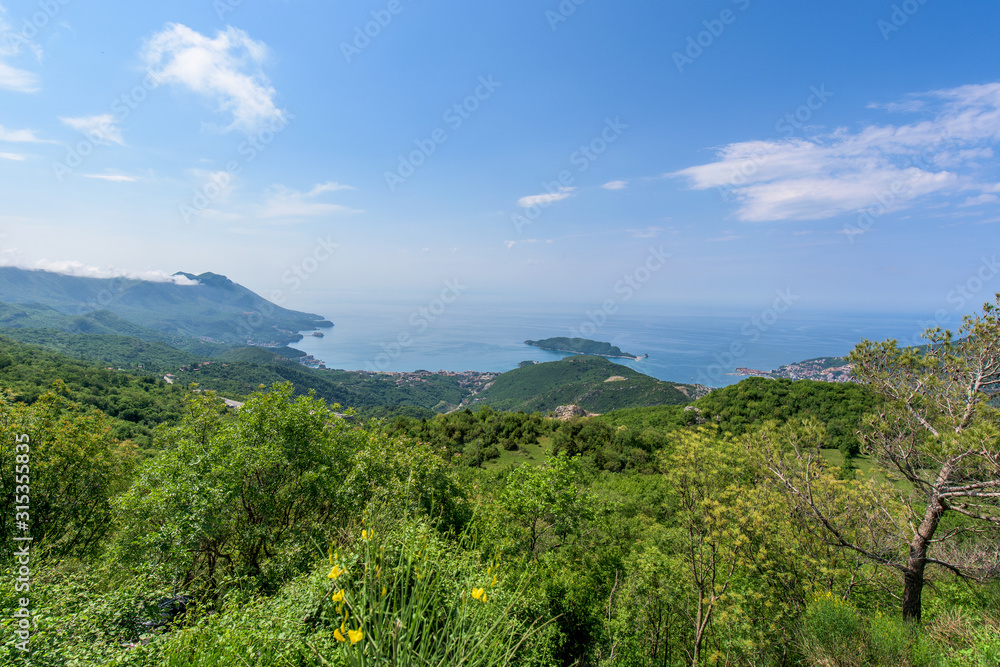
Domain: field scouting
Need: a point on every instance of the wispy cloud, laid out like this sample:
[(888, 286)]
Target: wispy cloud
[(545, 199), (225, 69), (11, 43), (12, 156), (284, 202), (615, 185), (113, 177), (511, 244), (329, 186), (984, 198), (21, 136), (647, 233), (100, 128), (825, 175)]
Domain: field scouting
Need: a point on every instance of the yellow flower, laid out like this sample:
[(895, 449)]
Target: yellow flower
[(479, 594), (384, 591), (367, 534), (355, 635), (336, 572), (339, 596), (339, 637)]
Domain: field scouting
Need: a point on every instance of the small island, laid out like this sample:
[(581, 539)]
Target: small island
[(583, 346)]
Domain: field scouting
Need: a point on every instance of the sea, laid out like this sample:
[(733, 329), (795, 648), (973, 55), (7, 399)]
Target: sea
[(682, 346)]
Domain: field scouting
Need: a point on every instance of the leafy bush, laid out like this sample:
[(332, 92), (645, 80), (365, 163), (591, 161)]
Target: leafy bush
[(832, 632)]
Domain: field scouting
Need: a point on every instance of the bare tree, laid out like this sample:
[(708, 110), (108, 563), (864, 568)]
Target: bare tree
[(937, 429)]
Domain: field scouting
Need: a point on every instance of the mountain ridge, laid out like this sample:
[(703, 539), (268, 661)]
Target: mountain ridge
[(215, 309)]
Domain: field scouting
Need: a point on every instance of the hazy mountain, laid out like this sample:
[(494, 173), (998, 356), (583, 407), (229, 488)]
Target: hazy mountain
[(212, 308)]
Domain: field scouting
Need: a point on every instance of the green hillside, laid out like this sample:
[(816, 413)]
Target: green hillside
[(118, 351), (136, 404), (580, 380)]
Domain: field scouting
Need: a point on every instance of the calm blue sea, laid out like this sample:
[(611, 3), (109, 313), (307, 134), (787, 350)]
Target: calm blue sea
[(703, 348)]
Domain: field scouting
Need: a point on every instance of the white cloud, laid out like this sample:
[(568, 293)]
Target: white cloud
[(226, 70), (511, 244), (615, 185), (12, 156), (546, 199), (18, 80), (981, 199), (100, 128), (283, 202), (81, 270), (21, 136), (891, 166), (116, 178), (329, 186), (647, 233)]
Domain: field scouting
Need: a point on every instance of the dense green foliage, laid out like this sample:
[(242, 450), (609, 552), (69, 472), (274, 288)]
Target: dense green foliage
[(587, 381), (838, 405), (137, 404), (579, 346), (474, 437), (291, 536), (125, 352)]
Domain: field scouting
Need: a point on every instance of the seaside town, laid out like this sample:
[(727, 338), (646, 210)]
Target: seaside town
[(826, 369)]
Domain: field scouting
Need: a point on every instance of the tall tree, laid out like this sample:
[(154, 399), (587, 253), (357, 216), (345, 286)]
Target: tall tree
[(937, 430)]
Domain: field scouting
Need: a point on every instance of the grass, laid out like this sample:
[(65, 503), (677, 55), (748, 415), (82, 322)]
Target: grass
[(530, 454), (866, 469)]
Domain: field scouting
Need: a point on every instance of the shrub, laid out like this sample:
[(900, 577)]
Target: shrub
[(832, 632)]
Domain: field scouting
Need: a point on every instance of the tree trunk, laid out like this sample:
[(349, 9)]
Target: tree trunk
[(913, 586), (913, 576)]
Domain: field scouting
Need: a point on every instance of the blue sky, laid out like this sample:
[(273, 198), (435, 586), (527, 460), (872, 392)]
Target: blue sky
[(534, 152)]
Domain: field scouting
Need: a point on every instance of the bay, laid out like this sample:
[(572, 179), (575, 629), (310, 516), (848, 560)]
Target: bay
[(682, 346)]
